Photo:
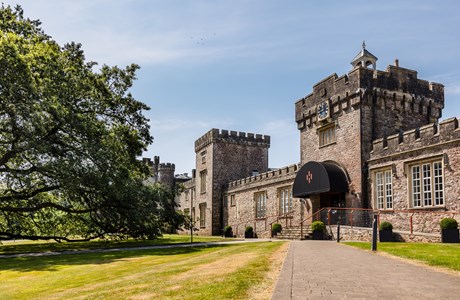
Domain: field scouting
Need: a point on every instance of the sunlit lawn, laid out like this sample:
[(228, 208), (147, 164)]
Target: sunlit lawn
[(198, 272), (11, 247), (434, 254)]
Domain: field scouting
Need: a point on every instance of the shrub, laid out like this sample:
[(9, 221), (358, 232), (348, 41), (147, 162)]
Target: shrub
[(249, 229), (385, 225), (276, 228), (448, 223), (318, 226), (228, 230)]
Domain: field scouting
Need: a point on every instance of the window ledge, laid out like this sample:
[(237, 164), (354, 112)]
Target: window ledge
[(324, 146), (434, 208)]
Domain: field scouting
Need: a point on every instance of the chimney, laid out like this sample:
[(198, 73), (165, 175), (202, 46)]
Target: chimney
[(193, 173), (396, 62)]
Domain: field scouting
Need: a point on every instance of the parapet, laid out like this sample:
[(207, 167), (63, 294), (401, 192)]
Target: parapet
[(167, 166), (216, 135), (425, 136), (395, 88), (147, 161), (277, 174)]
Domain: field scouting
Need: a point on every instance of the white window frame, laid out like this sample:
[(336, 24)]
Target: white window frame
[(202, 207), (261, 204), (232, 200), (203, 157), (327, 135), (426, 182), (383, 189), (285, 200)]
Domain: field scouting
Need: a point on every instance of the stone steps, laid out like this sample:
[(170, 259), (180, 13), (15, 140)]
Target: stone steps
[(293, 233)]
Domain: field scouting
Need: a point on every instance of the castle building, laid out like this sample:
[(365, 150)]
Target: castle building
[(370, 140), (163, 173)]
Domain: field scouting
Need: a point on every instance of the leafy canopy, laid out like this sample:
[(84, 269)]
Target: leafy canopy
[(69, 138)]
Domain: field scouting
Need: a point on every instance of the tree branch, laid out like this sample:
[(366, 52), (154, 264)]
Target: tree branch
[(8, 236), (44, 205), (22, 196)]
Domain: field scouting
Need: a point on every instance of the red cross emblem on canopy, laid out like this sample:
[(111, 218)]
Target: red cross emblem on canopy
[(309, 176)]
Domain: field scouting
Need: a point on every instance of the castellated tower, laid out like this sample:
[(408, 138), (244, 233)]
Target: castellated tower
[(162, 173), (166, 174), (223, 156), (344, 115)]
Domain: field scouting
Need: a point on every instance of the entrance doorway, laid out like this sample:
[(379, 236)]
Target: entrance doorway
[(335, 215), (332, 200)]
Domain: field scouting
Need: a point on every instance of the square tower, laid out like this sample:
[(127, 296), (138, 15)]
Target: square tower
[(343, 115), (223, 156)]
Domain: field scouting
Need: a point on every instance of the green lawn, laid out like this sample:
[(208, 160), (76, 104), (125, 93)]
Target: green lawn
[(46, 246), (434, 254), (206, 272)]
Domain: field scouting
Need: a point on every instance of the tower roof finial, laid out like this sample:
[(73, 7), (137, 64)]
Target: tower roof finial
[(364, 58)]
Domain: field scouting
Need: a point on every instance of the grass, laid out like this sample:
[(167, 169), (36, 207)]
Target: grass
[(206, 272), (47, 246), (433, 254)]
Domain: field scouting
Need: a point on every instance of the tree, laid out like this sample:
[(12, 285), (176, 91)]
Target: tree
[(69, 138)]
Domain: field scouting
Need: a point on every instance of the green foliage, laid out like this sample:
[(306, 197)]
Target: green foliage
[(69, 139), (385, 225), (249, 229), (318, 226), (228, 230), (448, 223), (276, 227)]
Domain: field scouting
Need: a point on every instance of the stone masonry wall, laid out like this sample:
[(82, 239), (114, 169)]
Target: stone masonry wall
[(365, 105), (345, 151), (229, 155), (398, 152), (244, 212), (204, 197), (233, 161), (348, 233)]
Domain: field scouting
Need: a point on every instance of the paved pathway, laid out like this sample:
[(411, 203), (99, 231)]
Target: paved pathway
[(328, 270)]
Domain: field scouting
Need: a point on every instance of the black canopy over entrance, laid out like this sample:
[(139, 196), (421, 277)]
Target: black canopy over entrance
[(319, 177)]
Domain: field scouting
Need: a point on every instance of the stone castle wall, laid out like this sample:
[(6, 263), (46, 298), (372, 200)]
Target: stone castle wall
[(382, 119), (434, 141), (365, 105), (243, 213), (346, 151), (229, 155), (160, 172)]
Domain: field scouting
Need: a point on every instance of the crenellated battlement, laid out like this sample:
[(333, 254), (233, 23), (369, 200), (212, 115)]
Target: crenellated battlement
[(262, 177), (395, 88), (167, 166), (216, 135), (428, 135)]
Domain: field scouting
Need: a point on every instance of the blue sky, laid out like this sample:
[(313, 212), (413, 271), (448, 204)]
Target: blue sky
[(241, 65)]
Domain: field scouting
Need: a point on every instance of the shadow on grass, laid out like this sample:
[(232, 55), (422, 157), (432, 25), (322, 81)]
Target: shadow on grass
[(52, 263), (12, 248)]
